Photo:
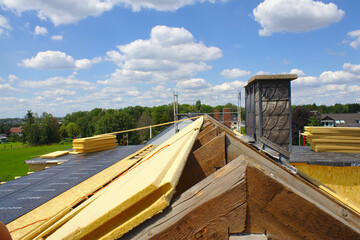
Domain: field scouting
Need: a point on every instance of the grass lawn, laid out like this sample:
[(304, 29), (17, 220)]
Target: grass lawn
[(13, 155)]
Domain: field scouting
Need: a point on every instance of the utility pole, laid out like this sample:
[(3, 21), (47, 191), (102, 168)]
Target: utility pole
[(176, 110)]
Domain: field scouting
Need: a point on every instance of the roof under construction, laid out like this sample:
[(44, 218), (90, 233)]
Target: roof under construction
[(204, 182)]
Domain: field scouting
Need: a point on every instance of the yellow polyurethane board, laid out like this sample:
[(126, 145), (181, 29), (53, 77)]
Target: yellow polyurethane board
[(97, 146), (339, 140), (94, 138), (103, 142), (54, 154), (344, 180), (134, 186), (53, 206)]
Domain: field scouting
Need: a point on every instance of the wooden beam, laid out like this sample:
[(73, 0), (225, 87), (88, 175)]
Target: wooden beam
[(212, 133), (202, 162), (281, 212), (213, 208)]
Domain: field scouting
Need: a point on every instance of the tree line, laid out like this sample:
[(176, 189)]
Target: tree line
[(46, 129)]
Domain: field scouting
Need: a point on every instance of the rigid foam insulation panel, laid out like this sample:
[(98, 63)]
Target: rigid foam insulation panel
[(55, 154), (345, 181), (143, 191), (94, 144), (333, 139)]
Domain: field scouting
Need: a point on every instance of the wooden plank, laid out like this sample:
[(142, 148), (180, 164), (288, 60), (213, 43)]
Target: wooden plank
[(207, 127), (206, 124), (204, 138), (210, 209), (293, 211), (65, 199)]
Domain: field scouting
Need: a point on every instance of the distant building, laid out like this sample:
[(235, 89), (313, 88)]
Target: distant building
[(227, 118), (340, 120), (3, 138), (16, 130)]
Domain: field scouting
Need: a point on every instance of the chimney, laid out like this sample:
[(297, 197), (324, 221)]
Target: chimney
[(217, 114), (268, 109), (227, 116)]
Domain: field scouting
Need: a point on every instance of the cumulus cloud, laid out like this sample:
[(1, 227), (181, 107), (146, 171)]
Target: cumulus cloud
[(4, 24), (193, 84), (229, 86), (57, 37), (235, 73), (348, 67), (298, 72), (171, 54), (4, 88), (57, 60), (72, 11), (69, 82), (356, 35), (295, 15), (40, 31), (56, 93)]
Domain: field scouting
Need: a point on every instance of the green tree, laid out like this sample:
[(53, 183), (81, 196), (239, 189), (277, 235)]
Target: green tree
[(73, 129), (49, 129), (299, 118), (31, 129), (198, 105), (145, 120), (314, 121)]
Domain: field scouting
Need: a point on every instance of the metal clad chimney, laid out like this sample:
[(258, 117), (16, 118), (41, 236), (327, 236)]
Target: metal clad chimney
[(268, 109)]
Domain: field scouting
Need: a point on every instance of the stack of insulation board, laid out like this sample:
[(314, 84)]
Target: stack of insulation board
[(94, 144), (333, 139)]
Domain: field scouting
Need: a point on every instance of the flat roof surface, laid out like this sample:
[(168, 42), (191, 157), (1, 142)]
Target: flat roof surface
[(303, 154), (22, 195)]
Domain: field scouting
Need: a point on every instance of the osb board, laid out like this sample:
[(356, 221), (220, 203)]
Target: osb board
[(211, 209), (135, 196), (54, 154), (65, 199), (345, 181), (295, 217)]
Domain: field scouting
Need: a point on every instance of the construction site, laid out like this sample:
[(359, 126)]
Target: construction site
[(197, 179)]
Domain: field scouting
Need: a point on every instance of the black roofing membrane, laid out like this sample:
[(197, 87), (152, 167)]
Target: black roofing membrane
[(22, 195)]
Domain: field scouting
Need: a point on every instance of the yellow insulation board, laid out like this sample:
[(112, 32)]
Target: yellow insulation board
[(142, 192), (32, 220), (94, 144), (54, 154), (345, 181), (333, 139)]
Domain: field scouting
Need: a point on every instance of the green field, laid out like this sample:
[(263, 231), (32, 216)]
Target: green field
[(13, 155)]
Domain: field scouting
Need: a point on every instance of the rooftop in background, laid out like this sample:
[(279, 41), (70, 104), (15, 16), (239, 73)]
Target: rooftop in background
[(303, 154), (340, 119), (16, 130)]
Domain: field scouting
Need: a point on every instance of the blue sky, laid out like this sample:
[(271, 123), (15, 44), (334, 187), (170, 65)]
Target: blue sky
[(61, 56)]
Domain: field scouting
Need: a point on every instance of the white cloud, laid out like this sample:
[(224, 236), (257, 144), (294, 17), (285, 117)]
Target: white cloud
[(2, 80), (298, 72), (59, 83), (229, 86), (12, 78), (355, 34), (40, 31), (354, 88), (57, 37), (4, 24), (235, 73), (193, 84), (4, 88), (56, 93), (72, 11), (57, 60), (171, 54), (338, 77), (295, 15), (348, 67)]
